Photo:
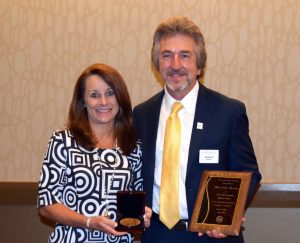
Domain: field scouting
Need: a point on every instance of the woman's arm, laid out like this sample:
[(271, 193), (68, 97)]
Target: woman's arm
[(60, 213)]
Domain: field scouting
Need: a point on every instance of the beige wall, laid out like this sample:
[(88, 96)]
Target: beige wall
[(253, 55)]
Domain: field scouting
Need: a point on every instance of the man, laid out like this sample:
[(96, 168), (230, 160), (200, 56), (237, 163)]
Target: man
[(208, 122)]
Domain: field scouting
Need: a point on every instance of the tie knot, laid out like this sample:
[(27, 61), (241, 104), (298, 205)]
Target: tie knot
[(177, 106)]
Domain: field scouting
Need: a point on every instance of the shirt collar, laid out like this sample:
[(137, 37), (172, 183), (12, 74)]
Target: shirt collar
[(188, 102)]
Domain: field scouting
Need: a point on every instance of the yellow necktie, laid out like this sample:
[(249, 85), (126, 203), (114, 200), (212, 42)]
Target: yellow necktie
[(169, 190)]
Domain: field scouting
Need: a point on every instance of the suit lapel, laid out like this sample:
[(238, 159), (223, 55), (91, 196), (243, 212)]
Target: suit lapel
[(203, 114), (154, 113)]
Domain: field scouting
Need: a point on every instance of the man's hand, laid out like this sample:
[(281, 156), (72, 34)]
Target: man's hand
[(147, 216), (217, 234)]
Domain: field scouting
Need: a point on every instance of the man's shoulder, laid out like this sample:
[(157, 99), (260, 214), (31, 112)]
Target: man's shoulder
[(221, 98)]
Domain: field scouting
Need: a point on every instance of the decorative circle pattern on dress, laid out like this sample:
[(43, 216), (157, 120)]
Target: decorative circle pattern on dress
[(78, 178)]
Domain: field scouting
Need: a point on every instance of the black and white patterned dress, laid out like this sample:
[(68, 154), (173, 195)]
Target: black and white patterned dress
[(74, 176)]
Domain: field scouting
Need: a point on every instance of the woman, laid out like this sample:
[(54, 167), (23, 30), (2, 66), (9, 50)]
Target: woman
[(88, 162)]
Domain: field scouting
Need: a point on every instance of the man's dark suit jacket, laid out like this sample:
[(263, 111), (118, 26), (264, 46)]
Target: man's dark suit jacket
[(225, 128)]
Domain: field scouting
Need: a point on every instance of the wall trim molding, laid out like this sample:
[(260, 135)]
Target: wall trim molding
[(18, 192), (269, 195), (277, 196)]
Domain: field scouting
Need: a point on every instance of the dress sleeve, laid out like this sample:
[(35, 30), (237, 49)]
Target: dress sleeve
[(53, 173)]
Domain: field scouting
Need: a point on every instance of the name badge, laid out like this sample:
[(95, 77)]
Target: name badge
[(209, 156)]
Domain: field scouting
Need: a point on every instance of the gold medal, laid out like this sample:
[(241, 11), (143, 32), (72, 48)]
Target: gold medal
[(130, 222)]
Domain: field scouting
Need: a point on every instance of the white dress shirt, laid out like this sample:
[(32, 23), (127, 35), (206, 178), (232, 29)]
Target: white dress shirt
[(186, 116)]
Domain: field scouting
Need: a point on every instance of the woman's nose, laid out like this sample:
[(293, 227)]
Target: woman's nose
[(103, 99)]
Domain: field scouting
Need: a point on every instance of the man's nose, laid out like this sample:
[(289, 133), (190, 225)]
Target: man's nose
[(176, 62)]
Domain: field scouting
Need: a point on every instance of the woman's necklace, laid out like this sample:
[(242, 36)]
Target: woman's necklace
[(106, 191)]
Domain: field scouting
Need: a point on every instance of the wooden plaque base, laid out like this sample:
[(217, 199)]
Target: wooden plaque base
[(220, 202)]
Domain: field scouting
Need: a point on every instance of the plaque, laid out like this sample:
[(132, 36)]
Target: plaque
[(220, 202), (130, 211)]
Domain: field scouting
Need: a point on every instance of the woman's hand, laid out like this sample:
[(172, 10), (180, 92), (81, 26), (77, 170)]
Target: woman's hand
[(105, 225)]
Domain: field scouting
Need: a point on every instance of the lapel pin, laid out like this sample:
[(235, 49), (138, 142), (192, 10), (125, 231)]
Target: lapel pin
[(199, 125)]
